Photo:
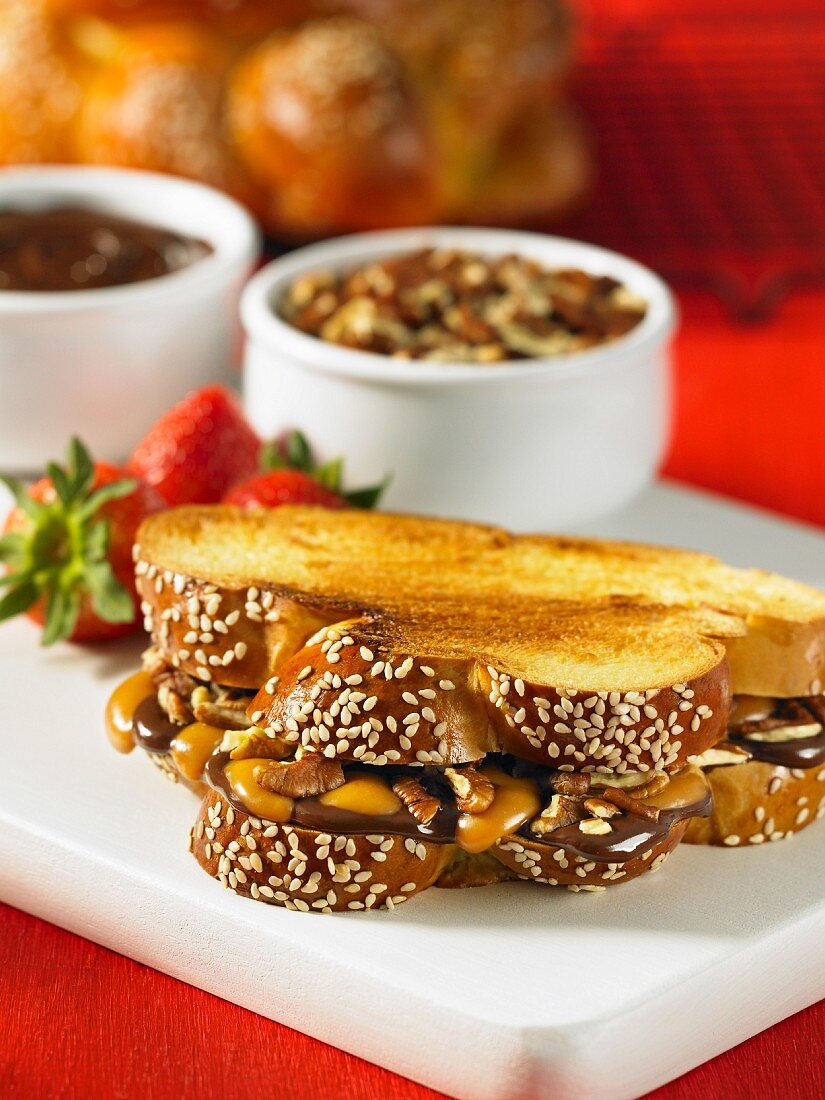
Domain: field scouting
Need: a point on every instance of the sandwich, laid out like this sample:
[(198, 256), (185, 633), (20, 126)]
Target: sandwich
[(372, 704)]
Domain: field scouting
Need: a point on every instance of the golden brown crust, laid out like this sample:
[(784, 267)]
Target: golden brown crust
[(757, 802), (323, 118), (308, 870), (549, 864), (340, 695), (772, 628)]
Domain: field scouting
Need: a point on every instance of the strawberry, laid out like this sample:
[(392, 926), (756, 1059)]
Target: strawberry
[(291, 477), (276, 487), (198, 449), (67, 546)]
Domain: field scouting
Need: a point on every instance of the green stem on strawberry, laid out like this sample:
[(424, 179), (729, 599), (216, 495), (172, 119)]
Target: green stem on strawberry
[(58, 550), (292, 451)]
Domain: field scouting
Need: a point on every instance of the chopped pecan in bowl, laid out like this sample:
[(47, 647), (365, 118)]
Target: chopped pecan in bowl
[(459, 306)]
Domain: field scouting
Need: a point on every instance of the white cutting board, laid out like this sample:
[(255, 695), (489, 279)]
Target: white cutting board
[(509, 991)]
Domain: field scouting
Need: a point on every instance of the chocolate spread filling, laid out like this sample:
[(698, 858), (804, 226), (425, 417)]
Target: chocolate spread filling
[(800, 752), (314, 814), (630, 835), (151, 728)]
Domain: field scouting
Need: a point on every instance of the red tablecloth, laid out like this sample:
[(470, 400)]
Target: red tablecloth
[(77, 1020)]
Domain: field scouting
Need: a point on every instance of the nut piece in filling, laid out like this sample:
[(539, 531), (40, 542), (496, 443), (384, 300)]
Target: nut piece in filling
[(455, 306)]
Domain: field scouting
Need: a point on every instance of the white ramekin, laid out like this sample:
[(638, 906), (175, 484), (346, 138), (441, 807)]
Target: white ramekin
[(543, 443), (102, 364)]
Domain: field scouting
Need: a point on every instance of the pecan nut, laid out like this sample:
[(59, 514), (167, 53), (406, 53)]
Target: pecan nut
[(312, 775), (628, 803), (474, 792), (419, 801), (259, 745), (563, 810), (597, 807), (570, 783), (226, 714)]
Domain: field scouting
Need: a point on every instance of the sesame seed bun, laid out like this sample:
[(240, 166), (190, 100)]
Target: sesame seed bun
[(380, 691), (308, 870), (757, 802)]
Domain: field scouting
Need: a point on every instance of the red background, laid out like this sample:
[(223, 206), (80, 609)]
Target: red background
[(711, 126)]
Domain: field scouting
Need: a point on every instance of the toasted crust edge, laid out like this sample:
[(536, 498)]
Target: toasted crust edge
[(777, 656)]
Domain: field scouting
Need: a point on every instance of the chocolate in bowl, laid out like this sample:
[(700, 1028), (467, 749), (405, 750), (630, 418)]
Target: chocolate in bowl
[(68, 248)]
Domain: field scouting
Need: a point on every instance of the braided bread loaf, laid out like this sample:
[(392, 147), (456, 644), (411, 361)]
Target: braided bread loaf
[(321, 115)]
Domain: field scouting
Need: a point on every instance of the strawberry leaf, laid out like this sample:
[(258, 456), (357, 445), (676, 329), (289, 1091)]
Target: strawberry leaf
[(113, 491), (62, 483), (24, 502), (58, 553), (97, 542), (298, 452), (18, 600), (62, 610), (369, 497), (330, 474), (80, 468), (110, 600), (13, 549), (271, 458)]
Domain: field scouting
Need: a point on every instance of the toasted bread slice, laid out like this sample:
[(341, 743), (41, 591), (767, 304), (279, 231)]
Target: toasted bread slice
[(216, 582), (575, 687)]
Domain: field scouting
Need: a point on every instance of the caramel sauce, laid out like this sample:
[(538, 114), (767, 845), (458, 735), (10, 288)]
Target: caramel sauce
[(516, 801), (121, 707), (686, 788), (240, 775), (192, 747), (366, 794)]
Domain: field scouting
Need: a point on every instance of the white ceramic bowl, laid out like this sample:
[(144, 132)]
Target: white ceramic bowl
[(104, 363), (542, 443)]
